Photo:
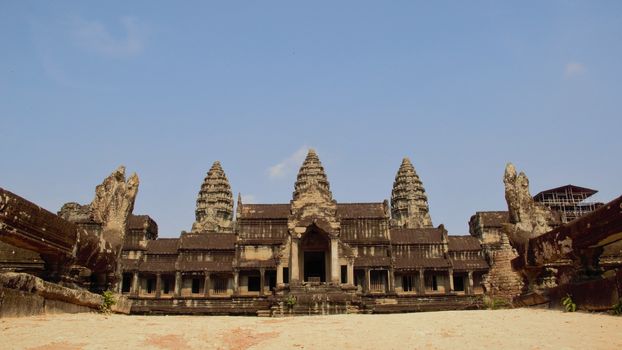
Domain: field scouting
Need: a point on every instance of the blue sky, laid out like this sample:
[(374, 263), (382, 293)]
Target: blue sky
[(166, 88)]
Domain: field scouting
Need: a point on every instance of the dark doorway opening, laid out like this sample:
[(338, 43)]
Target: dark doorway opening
[(127, 282), (315, 266), (458, 283), (271, 278), (254, 283)]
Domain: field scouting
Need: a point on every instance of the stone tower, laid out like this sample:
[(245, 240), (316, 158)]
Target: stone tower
[(409, 204), (214, 211), (312, 198)]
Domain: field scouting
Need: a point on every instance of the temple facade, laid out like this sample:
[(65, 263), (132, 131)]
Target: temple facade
[(311, 255)]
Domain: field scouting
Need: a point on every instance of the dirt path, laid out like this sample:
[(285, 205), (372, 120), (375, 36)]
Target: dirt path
[(501, 329)]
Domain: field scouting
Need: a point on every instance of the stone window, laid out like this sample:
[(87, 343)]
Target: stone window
[(344, 274), (150, 285), (220, 285), (167, 285)]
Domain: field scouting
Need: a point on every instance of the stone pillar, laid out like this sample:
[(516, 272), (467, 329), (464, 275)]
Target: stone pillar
[(294, 272), (279, 274), (178, 284), (236, 279), (334, 260), (207, 285), (367, 280), (134, 289), (450, 284), (421, 281), (391, 282), (350, 272), (158, 291), (262, 281), (470, 285)]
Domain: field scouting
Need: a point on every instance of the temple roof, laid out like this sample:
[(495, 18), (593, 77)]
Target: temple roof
[(207, 241), (421, 262), (211, 266), (264, 211), (416, 235), (162, 246), (282, 211), (368, 261), (469, 264), (139, 222), (463, 243)]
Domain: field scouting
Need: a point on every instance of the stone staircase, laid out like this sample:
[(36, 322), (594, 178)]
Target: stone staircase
[(316, 299), (422, 303)]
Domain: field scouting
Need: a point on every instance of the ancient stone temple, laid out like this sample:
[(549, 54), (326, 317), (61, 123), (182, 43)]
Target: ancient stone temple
[(312, 255)]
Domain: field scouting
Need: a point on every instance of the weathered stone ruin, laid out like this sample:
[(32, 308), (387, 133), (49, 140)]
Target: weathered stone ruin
[(81, 243), (312, 255)]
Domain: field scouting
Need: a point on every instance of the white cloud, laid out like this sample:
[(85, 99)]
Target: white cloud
[(249, 199), (94, 36), (573, 69), (289, 164)]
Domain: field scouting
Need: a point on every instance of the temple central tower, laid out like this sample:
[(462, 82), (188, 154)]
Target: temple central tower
[(214, 211)]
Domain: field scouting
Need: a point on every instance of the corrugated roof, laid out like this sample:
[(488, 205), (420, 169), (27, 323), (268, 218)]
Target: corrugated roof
[(207, 241), (264, 211), (210, 266), (360, 210), (471, 264), (463, 243), (416, 236), (157, 266), (162, 246), (418, 263), (570, 188), (369, 261)]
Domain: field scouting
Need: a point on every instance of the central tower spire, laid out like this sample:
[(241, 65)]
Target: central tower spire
[(215, 202), (409, 204), (311, 176)]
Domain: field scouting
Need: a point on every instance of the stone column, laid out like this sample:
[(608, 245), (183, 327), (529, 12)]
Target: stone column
[(421, 281), (350, 272), (134, 289), (450, 282), (294, 273), (391, 282), (158, 291), (262, 281), (470, 285), (207, 285), (367, 280), (279, 274), (177, 284), (236, 279), (334, 260)]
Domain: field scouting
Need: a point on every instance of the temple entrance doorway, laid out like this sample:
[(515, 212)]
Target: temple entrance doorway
[(315, 255), (315, 267)]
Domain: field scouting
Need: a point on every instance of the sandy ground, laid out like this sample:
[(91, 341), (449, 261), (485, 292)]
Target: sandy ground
[(499, 329)]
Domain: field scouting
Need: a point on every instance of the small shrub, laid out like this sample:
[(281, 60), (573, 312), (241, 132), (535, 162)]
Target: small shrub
[(290, 301), (107, 302), (616, 309), (568, 304), (496, 303)]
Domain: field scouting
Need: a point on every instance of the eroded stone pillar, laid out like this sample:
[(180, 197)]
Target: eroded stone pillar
[(178, 284), (294, 272), (262, 281), (236, 284), (207, 285), (350, 272), (367, 280), (158, 291), (470, 285), (279, 274), (450, 281), (391, 282), (421, 281), (334, 260), (134, 289)]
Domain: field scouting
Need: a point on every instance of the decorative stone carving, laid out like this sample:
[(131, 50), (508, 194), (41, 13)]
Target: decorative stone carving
[(528, 219), (214, 211), (409, 204)]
